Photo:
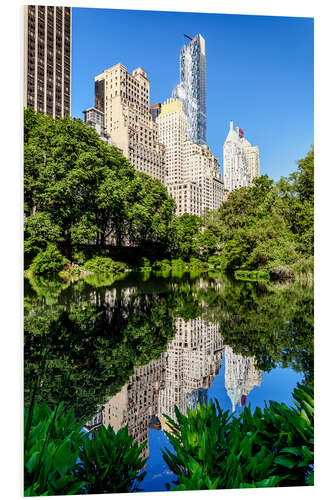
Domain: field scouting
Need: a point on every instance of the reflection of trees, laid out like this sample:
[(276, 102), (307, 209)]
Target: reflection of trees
[(273, 324), (86, 351), (85, 347)]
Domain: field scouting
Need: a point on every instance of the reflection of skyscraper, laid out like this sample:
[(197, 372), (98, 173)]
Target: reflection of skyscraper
[(193, 360), (135, 405), (192, 87), (241, 375)]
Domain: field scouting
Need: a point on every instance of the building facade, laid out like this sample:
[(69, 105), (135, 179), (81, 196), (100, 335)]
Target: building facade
[(47, 59), (193, 175), (241, 161), (124, 100), (252, 159), (95, 119), (191, 90), (155, 110)]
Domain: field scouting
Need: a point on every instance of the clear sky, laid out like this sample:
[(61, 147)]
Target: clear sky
[(259, 72)]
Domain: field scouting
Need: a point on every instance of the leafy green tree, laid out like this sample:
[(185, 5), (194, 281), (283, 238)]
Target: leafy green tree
[(78, 190), (186, 231)]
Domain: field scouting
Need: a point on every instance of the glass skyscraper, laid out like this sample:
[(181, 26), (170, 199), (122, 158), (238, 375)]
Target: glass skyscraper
[(192, 88)]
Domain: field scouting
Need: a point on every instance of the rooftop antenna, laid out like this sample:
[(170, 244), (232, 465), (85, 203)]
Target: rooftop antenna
[(188, 37)]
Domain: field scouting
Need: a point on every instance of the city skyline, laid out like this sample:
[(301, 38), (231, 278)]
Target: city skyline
[(246, 100)]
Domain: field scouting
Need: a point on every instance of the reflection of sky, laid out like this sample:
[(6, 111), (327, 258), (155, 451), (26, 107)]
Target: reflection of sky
[(276, 385)]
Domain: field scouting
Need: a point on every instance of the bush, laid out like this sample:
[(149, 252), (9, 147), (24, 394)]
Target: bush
[(178, 263), (51, 446), (111, 463), (48, 262), (144, 262), (273, 447), (60, 460), (104, 265), (197, 263), (161, 265)]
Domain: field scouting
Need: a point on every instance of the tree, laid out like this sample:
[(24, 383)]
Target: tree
[(186, 233), (79, 190)]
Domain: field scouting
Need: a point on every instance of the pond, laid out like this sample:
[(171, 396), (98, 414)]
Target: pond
[(126, 352)]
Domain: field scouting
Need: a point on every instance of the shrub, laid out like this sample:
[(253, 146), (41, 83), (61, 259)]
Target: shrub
[(178, 263), (144, 262), (51, 446), (60, 460), (110, 462), (104, 265), (161, 264), (48, 262), (268, 448)]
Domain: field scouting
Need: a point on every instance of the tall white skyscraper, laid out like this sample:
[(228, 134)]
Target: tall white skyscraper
[(191, 90), (241, 162), (193, 176)]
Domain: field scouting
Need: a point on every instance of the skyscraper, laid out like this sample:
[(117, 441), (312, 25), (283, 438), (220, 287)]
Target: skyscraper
[(124, 100), (193, 175), (241, 162), (47, 59), (191, 90)]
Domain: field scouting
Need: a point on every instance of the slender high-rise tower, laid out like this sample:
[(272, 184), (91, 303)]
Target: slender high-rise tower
[(47, 59), (192, 88)]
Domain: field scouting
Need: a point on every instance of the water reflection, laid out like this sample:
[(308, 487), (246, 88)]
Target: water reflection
[(129, 352), (180, 377)]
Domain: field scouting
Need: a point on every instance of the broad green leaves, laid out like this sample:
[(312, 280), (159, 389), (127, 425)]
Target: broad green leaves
[(213, 450)]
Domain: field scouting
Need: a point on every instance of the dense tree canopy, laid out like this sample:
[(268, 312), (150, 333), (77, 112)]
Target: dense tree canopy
[(265, 226), (79, 190)]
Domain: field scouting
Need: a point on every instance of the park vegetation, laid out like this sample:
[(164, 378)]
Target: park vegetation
[(84, 202), (215, 450), (212, 450)]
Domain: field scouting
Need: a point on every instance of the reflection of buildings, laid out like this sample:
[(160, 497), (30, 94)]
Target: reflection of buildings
[(193, 359), (180, 377), (241, 375), (135, 405)]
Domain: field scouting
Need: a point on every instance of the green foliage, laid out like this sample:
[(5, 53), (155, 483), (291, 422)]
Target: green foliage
[(110, 462), (86, 351), (185, 235), (60, 460), (78, 190), (263, 227), (163, 265), (48, 262), (51, 447), (104, 265), (252, 275), (214, 450), (144, 263)]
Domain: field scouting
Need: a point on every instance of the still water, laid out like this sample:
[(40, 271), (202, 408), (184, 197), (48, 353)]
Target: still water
[(126, 352)]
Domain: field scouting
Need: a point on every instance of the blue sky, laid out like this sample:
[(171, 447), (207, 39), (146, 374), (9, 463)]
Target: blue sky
[(259, 71)]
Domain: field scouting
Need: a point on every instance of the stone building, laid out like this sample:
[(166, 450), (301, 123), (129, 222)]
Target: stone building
[(124, 100), (95, 119), (193, 175)]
